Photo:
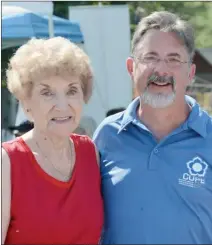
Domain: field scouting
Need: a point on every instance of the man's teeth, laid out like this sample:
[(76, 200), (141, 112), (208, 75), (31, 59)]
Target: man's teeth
[(61, 118), (161, 84)]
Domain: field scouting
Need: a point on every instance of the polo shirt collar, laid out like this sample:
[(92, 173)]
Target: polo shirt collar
[(129, 114), (196, 121)]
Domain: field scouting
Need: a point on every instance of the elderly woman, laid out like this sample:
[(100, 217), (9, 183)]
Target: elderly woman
[(51, 180)]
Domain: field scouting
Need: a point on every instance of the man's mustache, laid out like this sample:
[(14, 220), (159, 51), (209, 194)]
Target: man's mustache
[(160, 79)]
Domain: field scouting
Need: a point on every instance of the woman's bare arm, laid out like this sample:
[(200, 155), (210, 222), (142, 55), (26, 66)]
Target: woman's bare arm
[(6, 194)]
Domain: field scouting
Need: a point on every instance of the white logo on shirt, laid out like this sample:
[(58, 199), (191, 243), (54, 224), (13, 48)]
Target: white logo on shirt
[(197, 169)]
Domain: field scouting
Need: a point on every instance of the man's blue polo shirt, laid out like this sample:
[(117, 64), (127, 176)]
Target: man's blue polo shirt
[(156, 192)]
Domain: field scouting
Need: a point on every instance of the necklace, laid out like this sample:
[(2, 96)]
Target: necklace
[(65, 177)]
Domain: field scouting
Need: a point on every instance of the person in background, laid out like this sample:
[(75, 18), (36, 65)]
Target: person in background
[(87, 126), (50, 176), (114, 111), (22, 128), (156, 156)]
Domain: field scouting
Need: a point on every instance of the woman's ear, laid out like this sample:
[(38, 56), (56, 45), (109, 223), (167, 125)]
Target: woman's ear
[(27, 110)]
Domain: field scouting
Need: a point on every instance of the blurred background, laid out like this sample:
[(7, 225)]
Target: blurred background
[(103, 30)]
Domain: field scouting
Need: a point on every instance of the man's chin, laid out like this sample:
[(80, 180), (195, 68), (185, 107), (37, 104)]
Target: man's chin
[(159, 100)]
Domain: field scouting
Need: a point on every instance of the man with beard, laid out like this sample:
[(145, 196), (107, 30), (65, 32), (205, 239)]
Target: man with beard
[(156, 156)]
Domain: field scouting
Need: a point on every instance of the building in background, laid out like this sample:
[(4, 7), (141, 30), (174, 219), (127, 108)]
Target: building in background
[(106, 31), (201, 89)]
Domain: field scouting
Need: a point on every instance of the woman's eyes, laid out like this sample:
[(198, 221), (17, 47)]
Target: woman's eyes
[(47, 93), (72, 91)]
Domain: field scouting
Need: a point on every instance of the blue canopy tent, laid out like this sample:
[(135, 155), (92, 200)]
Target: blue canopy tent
[(19, 28)]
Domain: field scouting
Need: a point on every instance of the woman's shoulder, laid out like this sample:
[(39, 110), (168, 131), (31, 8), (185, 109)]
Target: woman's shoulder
[(84, 143), (13, 147), (81, 139), (7, 148), (11, 143)]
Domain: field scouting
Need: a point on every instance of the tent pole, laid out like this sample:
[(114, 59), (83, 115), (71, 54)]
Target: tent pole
[(51, 26)]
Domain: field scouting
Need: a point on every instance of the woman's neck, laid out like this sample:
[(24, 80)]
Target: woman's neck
[(50, 144)]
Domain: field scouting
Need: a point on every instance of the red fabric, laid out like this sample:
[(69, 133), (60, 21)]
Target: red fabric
[(48, 211)]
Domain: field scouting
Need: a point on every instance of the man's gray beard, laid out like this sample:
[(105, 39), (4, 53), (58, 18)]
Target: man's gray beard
[(158, 100)]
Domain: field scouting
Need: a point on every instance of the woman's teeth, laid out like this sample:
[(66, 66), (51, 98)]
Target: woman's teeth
[(61, 118)]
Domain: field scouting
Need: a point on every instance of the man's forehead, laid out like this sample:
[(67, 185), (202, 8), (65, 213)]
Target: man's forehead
[(155, 53), (160, 42)]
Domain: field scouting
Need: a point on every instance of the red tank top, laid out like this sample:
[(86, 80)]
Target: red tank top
[(45, 210)]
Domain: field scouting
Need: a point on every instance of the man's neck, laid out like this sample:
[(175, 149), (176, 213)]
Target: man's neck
[(162, 122)]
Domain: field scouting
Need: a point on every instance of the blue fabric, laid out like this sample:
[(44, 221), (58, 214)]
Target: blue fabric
[(156, 192), (27, 25)]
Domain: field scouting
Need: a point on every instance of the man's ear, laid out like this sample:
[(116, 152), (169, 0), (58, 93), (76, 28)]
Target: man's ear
[(192, 73), (129, 63)]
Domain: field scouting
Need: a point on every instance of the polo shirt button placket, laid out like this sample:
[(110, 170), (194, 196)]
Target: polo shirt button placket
[(156, 150), (153, 161)]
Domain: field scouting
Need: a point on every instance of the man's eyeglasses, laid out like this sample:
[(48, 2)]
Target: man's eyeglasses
[(171, 62)]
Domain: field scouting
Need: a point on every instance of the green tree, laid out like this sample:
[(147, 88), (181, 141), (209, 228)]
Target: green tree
[(199, 14)]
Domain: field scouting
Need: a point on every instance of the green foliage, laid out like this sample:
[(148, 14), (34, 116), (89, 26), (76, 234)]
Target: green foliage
[(3, 83), (199, 14)]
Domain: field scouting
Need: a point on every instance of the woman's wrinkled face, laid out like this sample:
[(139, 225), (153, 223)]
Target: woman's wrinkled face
[(55, 105)]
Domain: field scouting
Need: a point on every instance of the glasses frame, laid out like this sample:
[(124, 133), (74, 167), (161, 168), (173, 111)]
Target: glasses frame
[(159, 60)]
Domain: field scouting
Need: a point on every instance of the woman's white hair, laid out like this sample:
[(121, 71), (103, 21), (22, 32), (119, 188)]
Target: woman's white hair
[(43, 58)]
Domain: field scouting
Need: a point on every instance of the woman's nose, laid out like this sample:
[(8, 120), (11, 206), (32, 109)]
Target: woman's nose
[(61, 102)]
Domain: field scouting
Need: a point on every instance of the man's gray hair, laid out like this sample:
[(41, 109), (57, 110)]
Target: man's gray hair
[(168, 22)]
